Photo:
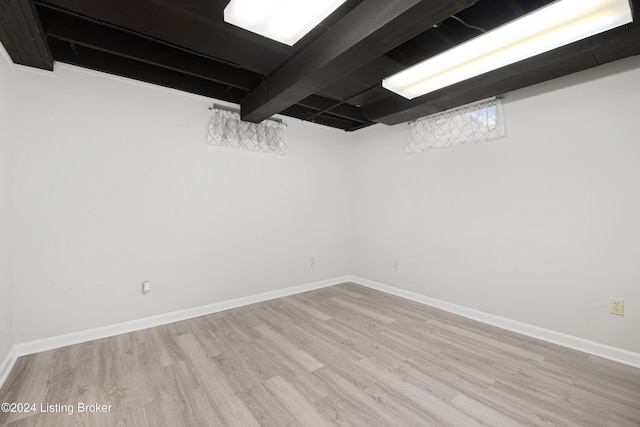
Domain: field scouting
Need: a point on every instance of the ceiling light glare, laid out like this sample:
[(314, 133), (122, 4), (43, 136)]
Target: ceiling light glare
[(557, 24), (286, 21)]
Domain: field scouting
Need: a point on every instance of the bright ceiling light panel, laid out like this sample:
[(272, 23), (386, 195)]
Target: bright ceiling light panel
[(557, 24), (286, 21)]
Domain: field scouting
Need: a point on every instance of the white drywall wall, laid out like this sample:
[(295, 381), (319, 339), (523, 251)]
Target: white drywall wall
[(541, 226), (6, 306), (115, 185)]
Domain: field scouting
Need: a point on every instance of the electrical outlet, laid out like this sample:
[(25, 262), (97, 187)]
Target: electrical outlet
[(396, 266), (312, 261), (616, 306)]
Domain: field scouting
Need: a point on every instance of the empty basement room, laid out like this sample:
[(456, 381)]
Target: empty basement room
[(389, 213)]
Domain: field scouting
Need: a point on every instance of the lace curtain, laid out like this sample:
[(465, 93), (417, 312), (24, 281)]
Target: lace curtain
[(227, 130), (479, 121)]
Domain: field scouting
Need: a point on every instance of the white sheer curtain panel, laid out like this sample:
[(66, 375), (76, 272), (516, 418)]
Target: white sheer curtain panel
[(227, 130), (479, 121)]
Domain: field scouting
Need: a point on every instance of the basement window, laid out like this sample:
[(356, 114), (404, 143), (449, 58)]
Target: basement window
[(227, 130), (475, 122)]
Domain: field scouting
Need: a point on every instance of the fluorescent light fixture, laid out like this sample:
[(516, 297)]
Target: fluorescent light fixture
[(557, 24), (286, 21)]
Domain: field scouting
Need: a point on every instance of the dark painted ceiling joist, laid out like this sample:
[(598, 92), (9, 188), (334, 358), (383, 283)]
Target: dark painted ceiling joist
[(117, 65), (515, 6), (368, 31), (121, 66), (120, 51), (130, 68), (191, 24), (332, 77), (22, 36), (326, 105), (125, 43), (309, 115)]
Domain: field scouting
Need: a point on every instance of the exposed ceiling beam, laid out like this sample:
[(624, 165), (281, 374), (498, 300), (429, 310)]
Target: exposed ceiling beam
[(100, 37), (599, 49), (125, 43), (22, 36), (121, 66), (368, 31), (346, 119)]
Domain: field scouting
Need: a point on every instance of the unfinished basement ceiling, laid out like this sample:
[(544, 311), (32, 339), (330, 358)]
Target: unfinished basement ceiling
[(331, 77)]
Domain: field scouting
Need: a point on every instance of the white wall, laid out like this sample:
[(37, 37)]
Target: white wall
[(6, 76), (114, 184), (542, 226)]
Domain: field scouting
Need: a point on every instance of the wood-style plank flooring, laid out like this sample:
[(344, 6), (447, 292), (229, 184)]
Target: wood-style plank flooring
[(343, 355)]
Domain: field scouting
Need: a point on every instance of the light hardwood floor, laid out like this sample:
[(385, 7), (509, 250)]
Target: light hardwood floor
[(344, 355)]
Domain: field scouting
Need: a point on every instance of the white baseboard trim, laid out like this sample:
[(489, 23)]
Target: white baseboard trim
[(7, 364), (51, 343), (576, 343), (581, 344)]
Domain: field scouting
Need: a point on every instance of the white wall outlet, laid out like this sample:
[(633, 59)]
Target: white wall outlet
[(396, 265), (146, 287), (312, 261), (616, 306)]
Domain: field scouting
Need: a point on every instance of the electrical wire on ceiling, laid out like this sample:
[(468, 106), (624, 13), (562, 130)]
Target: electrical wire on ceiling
[(473, 27), (463, 22)]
